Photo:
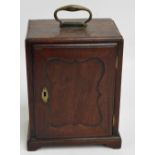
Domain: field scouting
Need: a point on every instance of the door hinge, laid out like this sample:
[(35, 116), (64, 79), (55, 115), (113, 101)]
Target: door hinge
[(116, 64), (113, 120)]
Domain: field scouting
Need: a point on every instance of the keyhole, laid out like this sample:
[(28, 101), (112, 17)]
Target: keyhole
[(44, 94)]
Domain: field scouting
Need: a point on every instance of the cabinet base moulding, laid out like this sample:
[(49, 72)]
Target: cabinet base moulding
[(112, 142)]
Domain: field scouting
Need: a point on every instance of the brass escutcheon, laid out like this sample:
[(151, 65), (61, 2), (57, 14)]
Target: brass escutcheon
[(44, 95)]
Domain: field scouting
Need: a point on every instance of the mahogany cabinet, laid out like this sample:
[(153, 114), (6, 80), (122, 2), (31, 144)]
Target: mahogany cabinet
[(74, 80)]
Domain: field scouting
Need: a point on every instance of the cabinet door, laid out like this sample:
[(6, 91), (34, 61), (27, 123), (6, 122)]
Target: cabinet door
[(74, 90)]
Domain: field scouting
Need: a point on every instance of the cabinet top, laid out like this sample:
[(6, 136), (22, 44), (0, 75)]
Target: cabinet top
[(50, 31)]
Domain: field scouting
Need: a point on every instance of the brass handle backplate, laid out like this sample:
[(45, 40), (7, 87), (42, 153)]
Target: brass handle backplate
[(44, 95), (72, 8)]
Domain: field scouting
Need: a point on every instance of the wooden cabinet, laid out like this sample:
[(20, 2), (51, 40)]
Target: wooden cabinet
[(74, 76)]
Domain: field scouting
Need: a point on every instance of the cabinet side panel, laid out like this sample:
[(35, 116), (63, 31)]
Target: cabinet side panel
[(29, 67)]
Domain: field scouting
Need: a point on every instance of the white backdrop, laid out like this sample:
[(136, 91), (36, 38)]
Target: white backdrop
[(122, 12)]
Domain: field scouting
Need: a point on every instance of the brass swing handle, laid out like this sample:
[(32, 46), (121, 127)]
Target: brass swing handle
[(72, 8)]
